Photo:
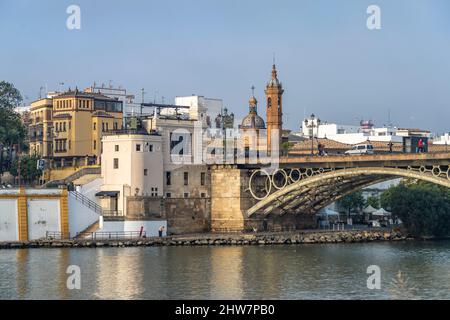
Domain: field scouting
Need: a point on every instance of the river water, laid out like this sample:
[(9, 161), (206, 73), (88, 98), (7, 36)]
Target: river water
[(329, 271)]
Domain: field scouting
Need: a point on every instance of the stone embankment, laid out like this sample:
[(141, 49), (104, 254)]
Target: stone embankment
[(278, 238)]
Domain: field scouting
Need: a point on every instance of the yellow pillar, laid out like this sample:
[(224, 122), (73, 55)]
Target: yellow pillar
[(64, 213), (22, 210)]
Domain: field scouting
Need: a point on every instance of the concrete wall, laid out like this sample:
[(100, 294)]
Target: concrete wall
[(91, 188), (190, 215), (144, 207), (9, 227), (151, 227), (80, 216)]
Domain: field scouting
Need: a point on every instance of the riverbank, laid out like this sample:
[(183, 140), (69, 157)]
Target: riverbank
[(278, 238)]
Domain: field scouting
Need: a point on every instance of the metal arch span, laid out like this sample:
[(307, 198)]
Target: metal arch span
[(364, 176)]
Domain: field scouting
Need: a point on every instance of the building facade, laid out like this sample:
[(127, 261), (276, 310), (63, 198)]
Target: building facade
[(67, 128)]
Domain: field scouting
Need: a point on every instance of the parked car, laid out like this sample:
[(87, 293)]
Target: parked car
[(360, 149)]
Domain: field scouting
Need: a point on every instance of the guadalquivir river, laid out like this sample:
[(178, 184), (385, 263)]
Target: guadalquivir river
[(329, 271)]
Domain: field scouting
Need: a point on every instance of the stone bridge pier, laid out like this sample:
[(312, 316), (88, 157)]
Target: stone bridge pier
[(231, 200)]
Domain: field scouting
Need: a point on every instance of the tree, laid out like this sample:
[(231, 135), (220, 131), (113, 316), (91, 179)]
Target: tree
[(286, 146), (424, 208), (28, 168), (10, 97), (12, 130), (373, 201), (353, 201)]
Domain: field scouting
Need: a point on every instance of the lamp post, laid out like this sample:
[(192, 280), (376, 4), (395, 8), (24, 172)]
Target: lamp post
[(311, 123)]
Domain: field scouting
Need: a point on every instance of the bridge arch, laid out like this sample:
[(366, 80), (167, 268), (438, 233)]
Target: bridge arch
[(319, 190)]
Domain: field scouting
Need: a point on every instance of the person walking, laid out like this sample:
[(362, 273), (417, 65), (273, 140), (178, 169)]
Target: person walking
[(420, 145), (161, 231), (390, 145)]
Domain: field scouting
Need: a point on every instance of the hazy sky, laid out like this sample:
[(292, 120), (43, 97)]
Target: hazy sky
[(327, 59)]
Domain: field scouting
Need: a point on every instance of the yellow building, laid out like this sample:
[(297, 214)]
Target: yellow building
[(68, 127), (40, 128)]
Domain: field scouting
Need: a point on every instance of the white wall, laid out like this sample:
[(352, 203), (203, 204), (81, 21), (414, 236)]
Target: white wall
[(91, 188), (150, 227), (80, 216), (9, 226), (43, 216)]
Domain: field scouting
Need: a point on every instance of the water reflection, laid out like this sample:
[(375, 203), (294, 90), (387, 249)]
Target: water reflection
[(226, 273), (244, 272)]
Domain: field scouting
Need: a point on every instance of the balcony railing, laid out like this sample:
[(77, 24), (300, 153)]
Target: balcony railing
[(112, 213)]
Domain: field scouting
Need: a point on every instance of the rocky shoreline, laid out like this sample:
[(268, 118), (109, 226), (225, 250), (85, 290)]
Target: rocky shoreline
[(210, 239)]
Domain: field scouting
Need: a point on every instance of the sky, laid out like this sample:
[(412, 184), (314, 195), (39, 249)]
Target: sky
[(329, 62)]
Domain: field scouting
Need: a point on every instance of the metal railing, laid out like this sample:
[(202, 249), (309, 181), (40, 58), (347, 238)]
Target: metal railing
[(114, 235), (56, 235), (86, 202), (112, 213), (73, 176)]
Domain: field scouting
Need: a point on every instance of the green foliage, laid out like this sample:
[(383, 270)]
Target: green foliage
[(10, 97), (12, 130), (374, 202), (286, 146), (353, 201), (424, 208), (28, 168)]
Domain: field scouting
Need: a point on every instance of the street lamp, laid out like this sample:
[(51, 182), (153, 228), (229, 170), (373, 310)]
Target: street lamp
[(311, 123)]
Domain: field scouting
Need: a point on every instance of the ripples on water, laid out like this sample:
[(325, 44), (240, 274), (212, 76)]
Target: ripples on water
[(230, 272)]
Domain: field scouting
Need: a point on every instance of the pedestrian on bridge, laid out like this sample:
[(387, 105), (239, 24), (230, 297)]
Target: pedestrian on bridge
[(420, 145), (390, 145)]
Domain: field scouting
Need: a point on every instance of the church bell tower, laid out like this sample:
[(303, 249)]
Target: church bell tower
[(274, 111)]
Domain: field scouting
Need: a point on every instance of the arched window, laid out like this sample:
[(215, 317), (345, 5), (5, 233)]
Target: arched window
[(269, 102)]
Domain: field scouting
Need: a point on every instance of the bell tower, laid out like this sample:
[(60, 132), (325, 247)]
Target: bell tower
[(274, 111)]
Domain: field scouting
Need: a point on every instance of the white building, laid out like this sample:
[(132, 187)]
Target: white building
[(132, 165), (200, 108), (348, 134), (442, 140)]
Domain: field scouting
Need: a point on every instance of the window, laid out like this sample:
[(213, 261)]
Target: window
[(116, 148), (107, 129), (186, 178), (168, 178), (64, 126), (186, 195), (95, 125), (103, 126), (202, 178), (115, 125), (95, 144), (203, 195), (138, 148), (269, 102), (116, 163), (150, 148), (168, 195), (145, 172), (69, 145)]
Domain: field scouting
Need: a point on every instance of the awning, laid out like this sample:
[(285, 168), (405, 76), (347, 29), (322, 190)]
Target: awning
[(107, 194)]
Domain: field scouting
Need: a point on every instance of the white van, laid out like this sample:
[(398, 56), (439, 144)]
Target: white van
[(360, 149)]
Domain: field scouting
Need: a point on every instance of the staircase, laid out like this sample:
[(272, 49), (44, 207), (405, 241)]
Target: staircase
[(74, 176), (88, 231), (86, 202)]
